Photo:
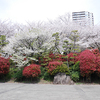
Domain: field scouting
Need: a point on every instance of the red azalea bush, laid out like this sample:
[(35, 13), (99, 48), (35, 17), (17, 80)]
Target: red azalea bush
[(98, 64), (87, 63), (96, 52), (4, 65), (53, 65), (32, 70)]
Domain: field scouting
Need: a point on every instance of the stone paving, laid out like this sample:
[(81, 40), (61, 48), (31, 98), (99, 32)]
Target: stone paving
[(21, 91)]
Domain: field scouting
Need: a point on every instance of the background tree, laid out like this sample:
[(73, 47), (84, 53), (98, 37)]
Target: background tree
[(7, 28), (56, 40), (74, 38), (3, 42), (67, 47)]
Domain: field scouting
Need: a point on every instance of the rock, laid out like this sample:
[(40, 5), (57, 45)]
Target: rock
[(61, 78), (72, 83)]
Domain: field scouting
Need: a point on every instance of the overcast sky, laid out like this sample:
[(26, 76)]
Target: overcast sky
[(41, 10)]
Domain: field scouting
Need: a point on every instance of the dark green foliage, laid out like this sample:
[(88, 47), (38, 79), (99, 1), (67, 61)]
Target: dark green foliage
[(43, 70), (5, 77), (12, 63), (18, 75), (75, 76), (76, 66), (48, 77), (12, 71), (75, 71), (10, 75), (63, 69), (45, 75), (71, 63)]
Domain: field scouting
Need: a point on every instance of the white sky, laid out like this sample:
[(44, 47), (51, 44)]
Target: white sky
[(41, 10)]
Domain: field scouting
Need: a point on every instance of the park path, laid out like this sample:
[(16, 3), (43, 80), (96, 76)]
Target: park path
[(21, 91)]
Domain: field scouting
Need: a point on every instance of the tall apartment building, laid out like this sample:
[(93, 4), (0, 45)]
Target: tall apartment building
[(83, 18)]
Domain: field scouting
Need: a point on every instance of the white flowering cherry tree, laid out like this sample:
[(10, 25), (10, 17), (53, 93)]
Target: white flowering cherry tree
[(24, 45)]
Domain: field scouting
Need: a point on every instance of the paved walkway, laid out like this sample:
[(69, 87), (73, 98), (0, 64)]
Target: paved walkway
[(20, 91)]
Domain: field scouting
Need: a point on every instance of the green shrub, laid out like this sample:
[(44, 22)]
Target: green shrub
[(76, 66), (75, 76), (5, 77), (61, 69), (75, 72), (12, 71), (12, 63), (18, 75), (45, 75), (48, 77), (43, 70), (55, 67), (9, 75)]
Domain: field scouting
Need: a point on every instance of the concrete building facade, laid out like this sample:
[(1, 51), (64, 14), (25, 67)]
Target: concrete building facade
[(83, 18)]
